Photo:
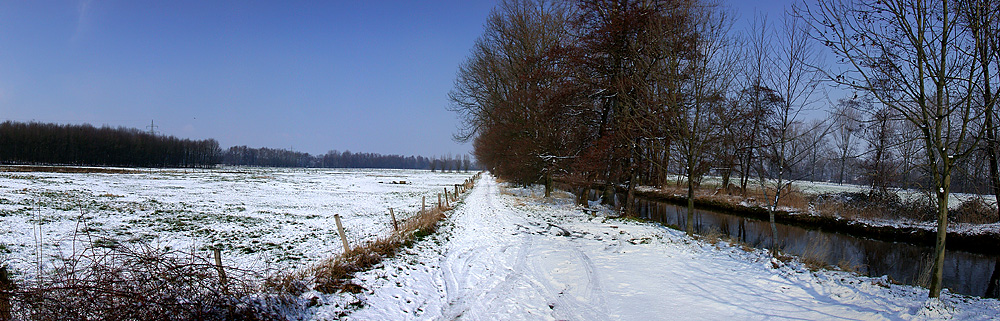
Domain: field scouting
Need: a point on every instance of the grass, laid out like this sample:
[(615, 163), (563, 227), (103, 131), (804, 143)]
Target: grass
[(125, 278), (110, 280), (334, 274)]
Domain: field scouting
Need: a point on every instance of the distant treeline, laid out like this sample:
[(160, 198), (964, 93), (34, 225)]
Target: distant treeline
[(50, 144), (85, 145), (271, 157)]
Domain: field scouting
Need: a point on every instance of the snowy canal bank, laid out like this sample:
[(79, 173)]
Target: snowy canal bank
[(505, 254)]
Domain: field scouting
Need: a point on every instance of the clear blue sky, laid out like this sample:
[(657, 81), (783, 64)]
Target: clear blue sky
[(365, 76)]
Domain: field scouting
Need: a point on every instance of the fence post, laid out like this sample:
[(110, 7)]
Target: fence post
[(423, 204), (6, 286), (439, 200), (456, 192), (340, 230), (395, 226), (446, 197), (218, 265)]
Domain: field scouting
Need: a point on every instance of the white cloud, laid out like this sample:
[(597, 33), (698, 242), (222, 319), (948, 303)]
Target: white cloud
[(82, 20)]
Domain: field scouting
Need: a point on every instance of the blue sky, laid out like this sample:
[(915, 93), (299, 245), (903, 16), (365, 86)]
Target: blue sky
[(365, 76)]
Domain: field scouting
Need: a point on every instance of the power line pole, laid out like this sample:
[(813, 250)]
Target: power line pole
[(152, 128)]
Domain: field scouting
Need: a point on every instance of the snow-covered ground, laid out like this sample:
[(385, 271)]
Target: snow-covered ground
[(505, 254), (263, 218)]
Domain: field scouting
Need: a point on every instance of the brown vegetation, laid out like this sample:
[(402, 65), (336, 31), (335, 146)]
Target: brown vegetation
[(334, 275), (138, 282)]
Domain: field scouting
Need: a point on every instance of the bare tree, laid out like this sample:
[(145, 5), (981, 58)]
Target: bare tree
[(796, 83), (981, 20), (514, 96), (903, 53), (710, 79), (847, 124), (755, 100), (880, 167), (815, 143)]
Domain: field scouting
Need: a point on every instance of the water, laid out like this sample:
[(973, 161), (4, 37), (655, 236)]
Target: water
[(964, 272)]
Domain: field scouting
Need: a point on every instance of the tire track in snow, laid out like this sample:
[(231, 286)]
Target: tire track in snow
[(538, 271), (486, 257)]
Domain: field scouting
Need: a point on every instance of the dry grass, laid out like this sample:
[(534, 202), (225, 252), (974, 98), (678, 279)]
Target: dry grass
[(871, 206), (846, 266), (334, 275), (813, 257), (139, 282), (791, 197), (848, 205), (976, 211)]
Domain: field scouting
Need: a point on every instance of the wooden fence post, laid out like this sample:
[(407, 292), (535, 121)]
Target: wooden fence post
[(6, 286), (439, 200), (340, 230), (395, 226), (446, 197), (423, 204), (218, 265)]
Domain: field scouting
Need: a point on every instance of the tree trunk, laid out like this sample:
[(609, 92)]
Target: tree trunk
[(630, 195), (725, 178), (993, 289), (991, 139), (843, 160), (774, 226), (607, 198), (690, 207), (937, 272), (548, 184)]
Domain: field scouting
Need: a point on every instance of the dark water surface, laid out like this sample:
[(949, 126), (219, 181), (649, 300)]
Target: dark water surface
[(965, 273)]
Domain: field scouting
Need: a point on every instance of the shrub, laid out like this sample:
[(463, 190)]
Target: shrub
[(139, 282), (975, 210)]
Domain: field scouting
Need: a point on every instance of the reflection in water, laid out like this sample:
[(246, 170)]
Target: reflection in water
[(966, 273)]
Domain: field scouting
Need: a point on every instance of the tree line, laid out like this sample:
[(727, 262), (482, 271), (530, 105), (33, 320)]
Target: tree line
[(271, 157), (37, 143), (639, 92), (52, 144)]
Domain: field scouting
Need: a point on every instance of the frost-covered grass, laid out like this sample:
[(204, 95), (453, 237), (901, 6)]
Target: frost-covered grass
[(262, 218)]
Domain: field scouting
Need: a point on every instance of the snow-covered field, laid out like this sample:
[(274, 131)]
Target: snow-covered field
[(263, 218), (505, 254)]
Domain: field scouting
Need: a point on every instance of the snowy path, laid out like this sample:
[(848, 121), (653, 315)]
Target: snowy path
[(509, 257)]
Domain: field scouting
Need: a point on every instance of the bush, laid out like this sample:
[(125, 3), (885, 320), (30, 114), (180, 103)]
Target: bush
[(875, 205), (139, 282), (975, 210)]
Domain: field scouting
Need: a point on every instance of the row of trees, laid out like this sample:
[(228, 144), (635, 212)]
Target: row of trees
[(52, 144), (271, 157), (39, 143), (637, 92)]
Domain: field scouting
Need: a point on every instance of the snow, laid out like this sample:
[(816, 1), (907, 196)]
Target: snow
[(503, 253), (265, 219), (507, 254), (816, 188)]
